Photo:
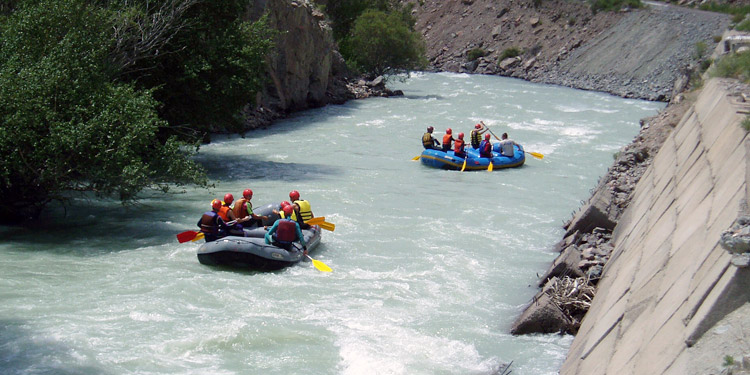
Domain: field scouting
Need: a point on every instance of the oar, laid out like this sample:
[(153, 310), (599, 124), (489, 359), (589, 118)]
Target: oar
[(489, 169), (186, 236), (319, 265), (328, 226), (534, 154), (316, 220), (464, 166), (199, 237), (416, 157)]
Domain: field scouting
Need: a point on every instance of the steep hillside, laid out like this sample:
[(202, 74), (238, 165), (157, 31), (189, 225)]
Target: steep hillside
[(640, 53)]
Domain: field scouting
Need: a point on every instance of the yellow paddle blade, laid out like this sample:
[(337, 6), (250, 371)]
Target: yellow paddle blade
[(320, 265), (416, 157), (464, 166), (198, 236), (316, 220), (328, 226), (536, 155), (489, 169)]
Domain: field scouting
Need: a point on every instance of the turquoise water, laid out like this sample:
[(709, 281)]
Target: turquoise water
[(430, 267)]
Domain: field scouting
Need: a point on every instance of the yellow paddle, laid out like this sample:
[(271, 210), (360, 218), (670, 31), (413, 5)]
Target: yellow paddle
[(535, 154), (464, 166), (319, 265), (328, 226), (489, 169), (198, 236), (416, 157), (316, 220)]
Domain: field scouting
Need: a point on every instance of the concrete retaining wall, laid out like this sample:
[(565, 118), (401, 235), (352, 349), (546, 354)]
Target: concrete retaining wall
[(669, 282)]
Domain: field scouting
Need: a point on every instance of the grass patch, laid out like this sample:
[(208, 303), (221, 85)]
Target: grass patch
[(738, 12), (728, 361), (510, 52), (736, 65), (614, 5), (475, 53)]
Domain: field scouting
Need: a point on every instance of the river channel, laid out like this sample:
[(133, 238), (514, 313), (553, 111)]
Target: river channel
[(430, 267)]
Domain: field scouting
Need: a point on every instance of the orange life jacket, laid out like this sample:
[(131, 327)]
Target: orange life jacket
[(240, 208), (447, 139), (223, 213), (459, 147)]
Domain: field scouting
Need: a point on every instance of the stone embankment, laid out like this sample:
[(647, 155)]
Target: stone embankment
[(674, 295)]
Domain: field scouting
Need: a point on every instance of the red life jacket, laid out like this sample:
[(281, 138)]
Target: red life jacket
[(447, 139), (286, 231)]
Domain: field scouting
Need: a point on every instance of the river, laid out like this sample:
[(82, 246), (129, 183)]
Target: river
[(430, 267)]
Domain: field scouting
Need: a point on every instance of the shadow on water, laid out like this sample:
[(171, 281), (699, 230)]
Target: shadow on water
[(23, 353), (242, 167)]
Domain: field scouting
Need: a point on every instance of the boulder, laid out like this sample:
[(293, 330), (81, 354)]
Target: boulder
[(509, 63), (541, 316), (566, 264)]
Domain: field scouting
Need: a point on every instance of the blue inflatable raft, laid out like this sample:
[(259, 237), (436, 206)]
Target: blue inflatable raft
[(448, 160)]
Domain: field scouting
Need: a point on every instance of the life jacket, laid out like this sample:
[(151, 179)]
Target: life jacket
[(485, 149), (242, 208), (286, 231), (447, 139), (427, 140), (476, 138), (459, 147), (223, 213), (304, 210), (208, 223)]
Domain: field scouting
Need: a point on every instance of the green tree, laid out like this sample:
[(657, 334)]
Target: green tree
[(383, 43), (66, 125), (209, 67)]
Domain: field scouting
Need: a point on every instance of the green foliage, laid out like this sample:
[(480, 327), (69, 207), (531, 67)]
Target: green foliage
[(745, 124), (383, 43), (614, 5), (716, 38), (214, 64), (728, 361), (343, 13), (743, 26), (738, 12), (510, 52), (736, 65), (700, 49), (475, 53), (571, 21), (65, 124)]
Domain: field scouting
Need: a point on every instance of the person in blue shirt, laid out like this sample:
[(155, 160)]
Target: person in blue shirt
[(485, 148), (285, 231)]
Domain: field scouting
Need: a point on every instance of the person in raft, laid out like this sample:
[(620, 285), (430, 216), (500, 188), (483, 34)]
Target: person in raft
[(243, 208), (506, 146), (285, 231), (485, 148), (302, 210), (458, 149), (428, 141), (476, 135), (448, 140), (227, 214), (211, 224)]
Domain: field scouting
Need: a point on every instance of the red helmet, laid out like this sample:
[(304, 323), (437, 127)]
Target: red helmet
[(294, 195), (430, 129), (448, 131), (247, 193), (288, 210), (487, 137), (460, 135), (285, 203), (216, 204), (477, 126), (228, 198)]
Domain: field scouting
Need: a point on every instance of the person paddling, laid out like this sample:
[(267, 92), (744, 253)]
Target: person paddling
[(243, 210), (485, 148), (428, 141), (211, 224), (506, 146), (448, 140), (476, 135), (285, 231), (458, 150)]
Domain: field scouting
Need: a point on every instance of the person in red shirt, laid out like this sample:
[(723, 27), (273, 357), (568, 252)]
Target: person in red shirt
[(458, 148), (448, 140)]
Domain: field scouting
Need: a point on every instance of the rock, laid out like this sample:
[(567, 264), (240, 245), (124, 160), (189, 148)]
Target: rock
[(566, 264), (496, 31), (534, 21), (508, 63), (541, 316)]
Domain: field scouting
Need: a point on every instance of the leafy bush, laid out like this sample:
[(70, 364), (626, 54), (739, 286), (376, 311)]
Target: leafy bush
[(510, 52), (66, 125), (383, 43), (743, 26), (738, 12), (475, 53), (745, 124), (614, 5)]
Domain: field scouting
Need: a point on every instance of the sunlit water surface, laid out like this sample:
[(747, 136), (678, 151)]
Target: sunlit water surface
[(430, 267)]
